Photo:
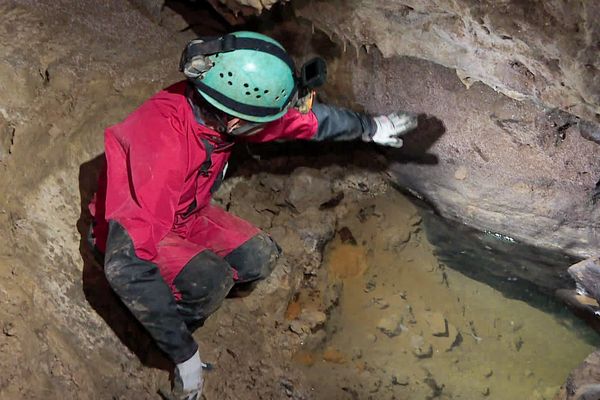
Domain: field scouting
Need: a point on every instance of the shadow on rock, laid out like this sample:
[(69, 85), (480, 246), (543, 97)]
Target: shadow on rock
[(96, 288), (418, 141)]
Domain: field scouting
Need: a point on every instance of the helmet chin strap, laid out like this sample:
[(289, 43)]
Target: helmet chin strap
[(221, 122)]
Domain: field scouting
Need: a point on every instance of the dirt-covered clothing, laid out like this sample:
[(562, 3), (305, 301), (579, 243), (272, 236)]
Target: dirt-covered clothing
[(152, 215)]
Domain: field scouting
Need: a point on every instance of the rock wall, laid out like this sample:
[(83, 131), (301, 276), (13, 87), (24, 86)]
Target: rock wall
[(484, 159), (545, 51), (512, 94), (67, 70), (480, 157)]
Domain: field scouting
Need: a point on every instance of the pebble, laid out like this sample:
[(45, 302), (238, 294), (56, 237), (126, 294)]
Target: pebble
[(357, 353), (370, 286), (423, 352), (333, 355), (313, 318), (415, 220), (9, 329), (437, 323), (299, 327), (401, 380), (287, 384), (390, 325), (461, 173)]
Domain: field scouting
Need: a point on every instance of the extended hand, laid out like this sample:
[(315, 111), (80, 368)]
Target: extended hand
[(188, 379), (391, 126)]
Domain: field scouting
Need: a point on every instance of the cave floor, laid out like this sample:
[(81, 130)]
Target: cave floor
[(407, 326)]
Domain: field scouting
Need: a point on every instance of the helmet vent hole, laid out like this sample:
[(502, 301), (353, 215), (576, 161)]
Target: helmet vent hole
[(282, 91), (221, 75), (256, 89), (229, 74), (258, 96), (229, 83), (246, 85), (277, 98), (266, 91), (247, 93)]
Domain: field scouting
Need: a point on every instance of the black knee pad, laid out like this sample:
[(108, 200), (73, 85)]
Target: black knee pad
[(255, 259), (203, 284)]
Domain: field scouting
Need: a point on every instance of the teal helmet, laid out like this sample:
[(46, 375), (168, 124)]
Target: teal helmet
[(244, 74)]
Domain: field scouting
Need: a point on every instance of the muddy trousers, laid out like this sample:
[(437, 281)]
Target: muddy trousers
[(207, 279), (170, 309)]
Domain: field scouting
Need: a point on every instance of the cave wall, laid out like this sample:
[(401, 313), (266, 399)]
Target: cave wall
[(517, 165), (544, 51), (511, 91), (67, 70), (70, 68), (483, 158)]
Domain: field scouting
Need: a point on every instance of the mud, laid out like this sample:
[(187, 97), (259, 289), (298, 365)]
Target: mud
[(408, 326)]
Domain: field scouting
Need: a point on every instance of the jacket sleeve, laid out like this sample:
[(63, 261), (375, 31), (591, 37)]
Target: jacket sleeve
[(324, 122), (146, 165), (335, 123)]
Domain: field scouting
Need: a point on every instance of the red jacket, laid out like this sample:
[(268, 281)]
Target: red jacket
[(164, 148)]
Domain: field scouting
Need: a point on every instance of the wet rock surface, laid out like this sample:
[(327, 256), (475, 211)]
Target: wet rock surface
[(583, 382), (411, 327)]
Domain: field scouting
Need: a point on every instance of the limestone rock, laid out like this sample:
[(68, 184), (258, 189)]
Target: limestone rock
[(315, 228), (586, 274), (313, 318), (306, 188), (540, 51), (461, 173), (583, 380), (523, 180)]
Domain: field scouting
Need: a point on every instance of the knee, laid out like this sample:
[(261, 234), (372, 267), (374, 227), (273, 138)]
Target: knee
[(256, 258), (206, 276)]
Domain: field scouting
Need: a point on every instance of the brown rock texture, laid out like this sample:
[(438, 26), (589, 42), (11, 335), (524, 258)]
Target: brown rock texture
[(70, 68), (480, 157), (544, 51)]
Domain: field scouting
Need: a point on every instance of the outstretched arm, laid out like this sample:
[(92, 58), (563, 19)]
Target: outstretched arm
[(325, 122)]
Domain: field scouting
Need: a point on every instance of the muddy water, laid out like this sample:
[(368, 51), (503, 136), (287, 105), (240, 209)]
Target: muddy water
[(404, 325)]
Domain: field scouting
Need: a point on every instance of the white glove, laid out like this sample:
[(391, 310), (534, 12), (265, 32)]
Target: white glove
[(390, 126), (188, 379)]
